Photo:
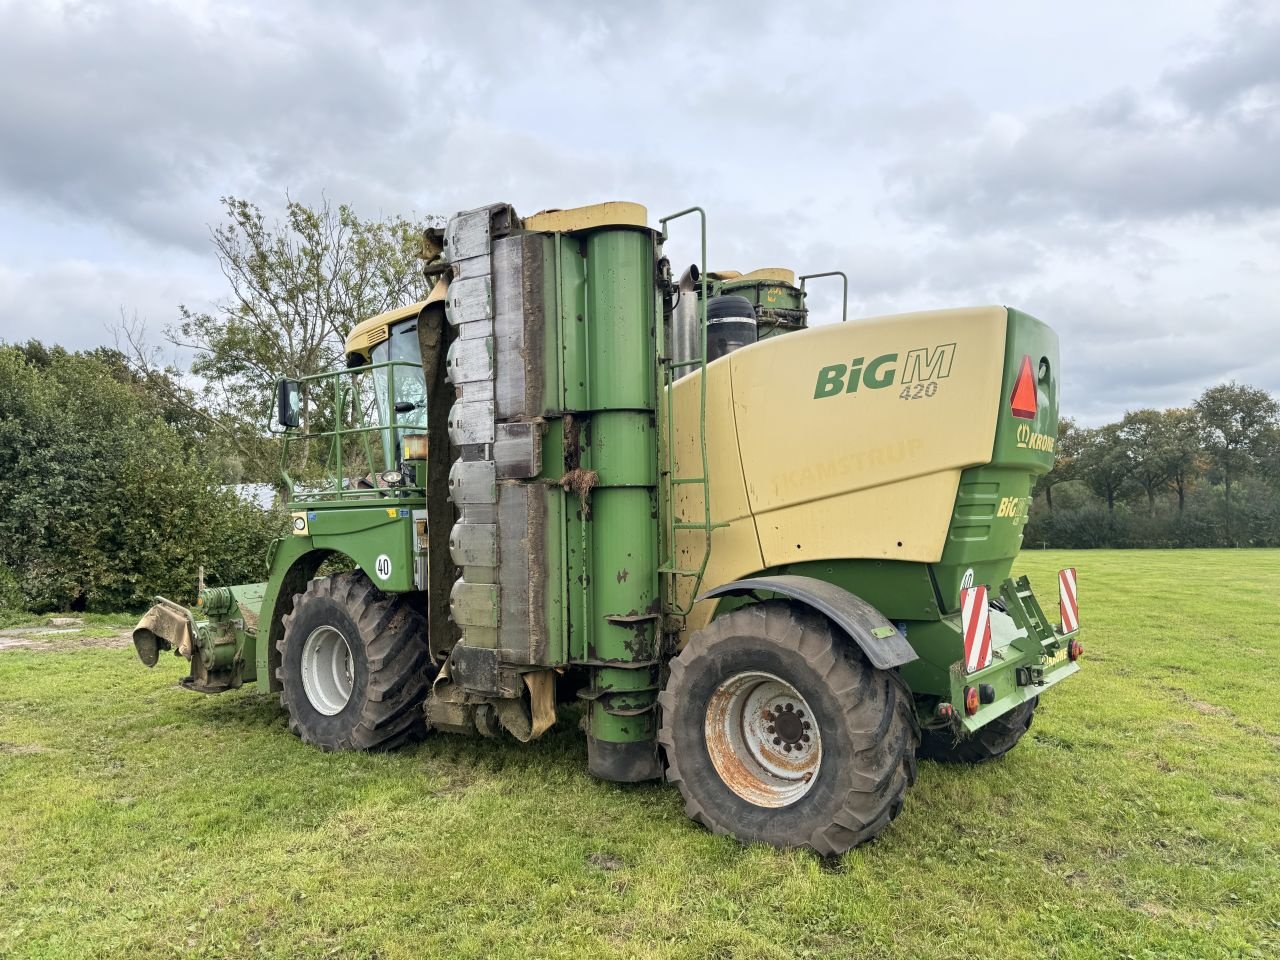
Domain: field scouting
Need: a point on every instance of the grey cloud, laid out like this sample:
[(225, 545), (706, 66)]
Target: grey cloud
[(1120, 353), (1194, 145), (932, 268), (143, 113), (1109, 161), (76, 303), (1245, 60), (137, 112)]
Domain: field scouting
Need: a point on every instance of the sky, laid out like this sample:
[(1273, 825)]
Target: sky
[(1112, 168)]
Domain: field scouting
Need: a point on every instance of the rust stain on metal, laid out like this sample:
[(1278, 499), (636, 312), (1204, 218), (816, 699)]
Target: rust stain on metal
[(727, 733), (572, 441), (250, 618), (723, 757)]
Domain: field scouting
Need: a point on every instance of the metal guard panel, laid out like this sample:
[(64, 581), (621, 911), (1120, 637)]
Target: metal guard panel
[(863, 622)]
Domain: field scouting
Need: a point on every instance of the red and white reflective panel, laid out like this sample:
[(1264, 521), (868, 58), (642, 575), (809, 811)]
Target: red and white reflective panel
[(1067, 600), (975, 621)]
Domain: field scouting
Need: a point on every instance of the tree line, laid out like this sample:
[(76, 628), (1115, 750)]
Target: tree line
[(1207, 475)]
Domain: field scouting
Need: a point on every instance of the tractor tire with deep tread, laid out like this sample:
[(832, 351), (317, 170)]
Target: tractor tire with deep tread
[(390, 665), (865, 720), (988, 743)]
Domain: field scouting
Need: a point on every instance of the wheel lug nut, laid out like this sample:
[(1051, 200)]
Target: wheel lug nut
[(771, 730), (787, 747), (777, 741), (805, 738), (806, 724)]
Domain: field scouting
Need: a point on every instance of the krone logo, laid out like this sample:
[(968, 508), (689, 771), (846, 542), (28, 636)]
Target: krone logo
[(1027, 440)]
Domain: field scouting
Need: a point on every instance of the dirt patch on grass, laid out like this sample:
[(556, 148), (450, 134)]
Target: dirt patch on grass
[(21, 749), (606, 861), (1272, 738), (1217, 710), (1200, 706), (45, 640), (1211, 709), (454, 783)]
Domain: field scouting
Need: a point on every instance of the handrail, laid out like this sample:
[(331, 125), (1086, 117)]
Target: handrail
[(844, 314), (667, 498), (339, 432)]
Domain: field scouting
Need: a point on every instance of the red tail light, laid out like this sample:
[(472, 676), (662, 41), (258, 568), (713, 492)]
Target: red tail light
[(1023, 401), (971, 700)]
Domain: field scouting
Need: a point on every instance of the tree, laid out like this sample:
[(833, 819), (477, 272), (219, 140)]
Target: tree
[(1104, 464), (1148, 441), (1238, 419), (297, 288), (1067, 452), (1186, 450), (224, 440), (1269, 457)]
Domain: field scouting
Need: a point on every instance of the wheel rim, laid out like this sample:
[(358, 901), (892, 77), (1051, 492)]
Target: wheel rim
[(326, 670), (763, 739)]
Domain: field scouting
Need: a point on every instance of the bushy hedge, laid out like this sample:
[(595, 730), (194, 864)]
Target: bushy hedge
[(1082, 521), (104, 504)]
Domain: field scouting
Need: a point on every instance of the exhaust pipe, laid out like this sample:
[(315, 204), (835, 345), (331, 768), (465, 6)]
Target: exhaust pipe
[(684, 339)]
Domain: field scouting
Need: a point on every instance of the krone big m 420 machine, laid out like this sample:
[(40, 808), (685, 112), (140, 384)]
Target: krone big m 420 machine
[(771, 562)]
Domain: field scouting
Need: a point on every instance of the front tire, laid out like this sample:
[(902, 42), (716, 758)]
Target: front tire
[(988, 743), (354, 666), (776, 729)]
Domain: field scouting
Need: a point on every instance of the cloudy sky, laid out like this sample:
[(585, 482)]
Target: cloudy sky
[(1113, 168)]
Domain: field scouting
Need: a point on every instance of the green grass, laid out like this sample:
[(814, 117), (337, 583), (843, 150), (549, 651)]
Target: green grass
[(1141, 818)]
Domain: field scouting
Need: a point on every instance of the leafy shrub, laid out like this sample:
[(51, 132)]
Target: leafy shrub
[(10, 591), (106, 503)]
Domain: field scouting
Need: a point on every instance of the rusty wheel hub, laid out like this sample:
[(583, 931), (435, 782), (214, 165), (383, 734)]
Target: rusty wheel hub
[(763, 739)]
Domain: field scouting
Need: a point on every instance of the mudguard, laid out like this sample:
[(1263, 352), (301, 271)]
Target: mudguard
[(879, 639)]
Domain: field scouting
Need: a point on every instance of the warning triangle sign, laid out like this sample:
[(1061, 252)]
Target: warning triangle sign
[(1023, 402)]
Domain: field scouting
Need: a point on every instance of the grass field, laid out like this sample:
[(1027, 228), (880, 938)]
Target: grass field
[(1140, 819)]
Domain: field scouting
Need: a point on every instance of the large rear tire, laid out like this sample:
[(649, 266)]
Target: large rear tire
[(994, 740), (354, 666), (776, 729)]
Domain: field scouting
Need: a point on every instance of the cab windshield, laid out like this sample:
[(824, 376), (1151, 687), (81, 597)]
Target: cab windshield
[(408, 406)]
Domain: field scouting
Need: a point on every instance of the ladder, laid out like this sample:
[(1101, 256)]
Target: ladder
[(671, 524)]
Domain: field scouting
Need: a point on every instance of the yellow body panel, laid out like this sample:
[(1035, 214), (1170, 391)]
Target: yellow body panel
[(615, 213), (735, 548), (862, 473), (771, 274), (906, 519), (367, 334)]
